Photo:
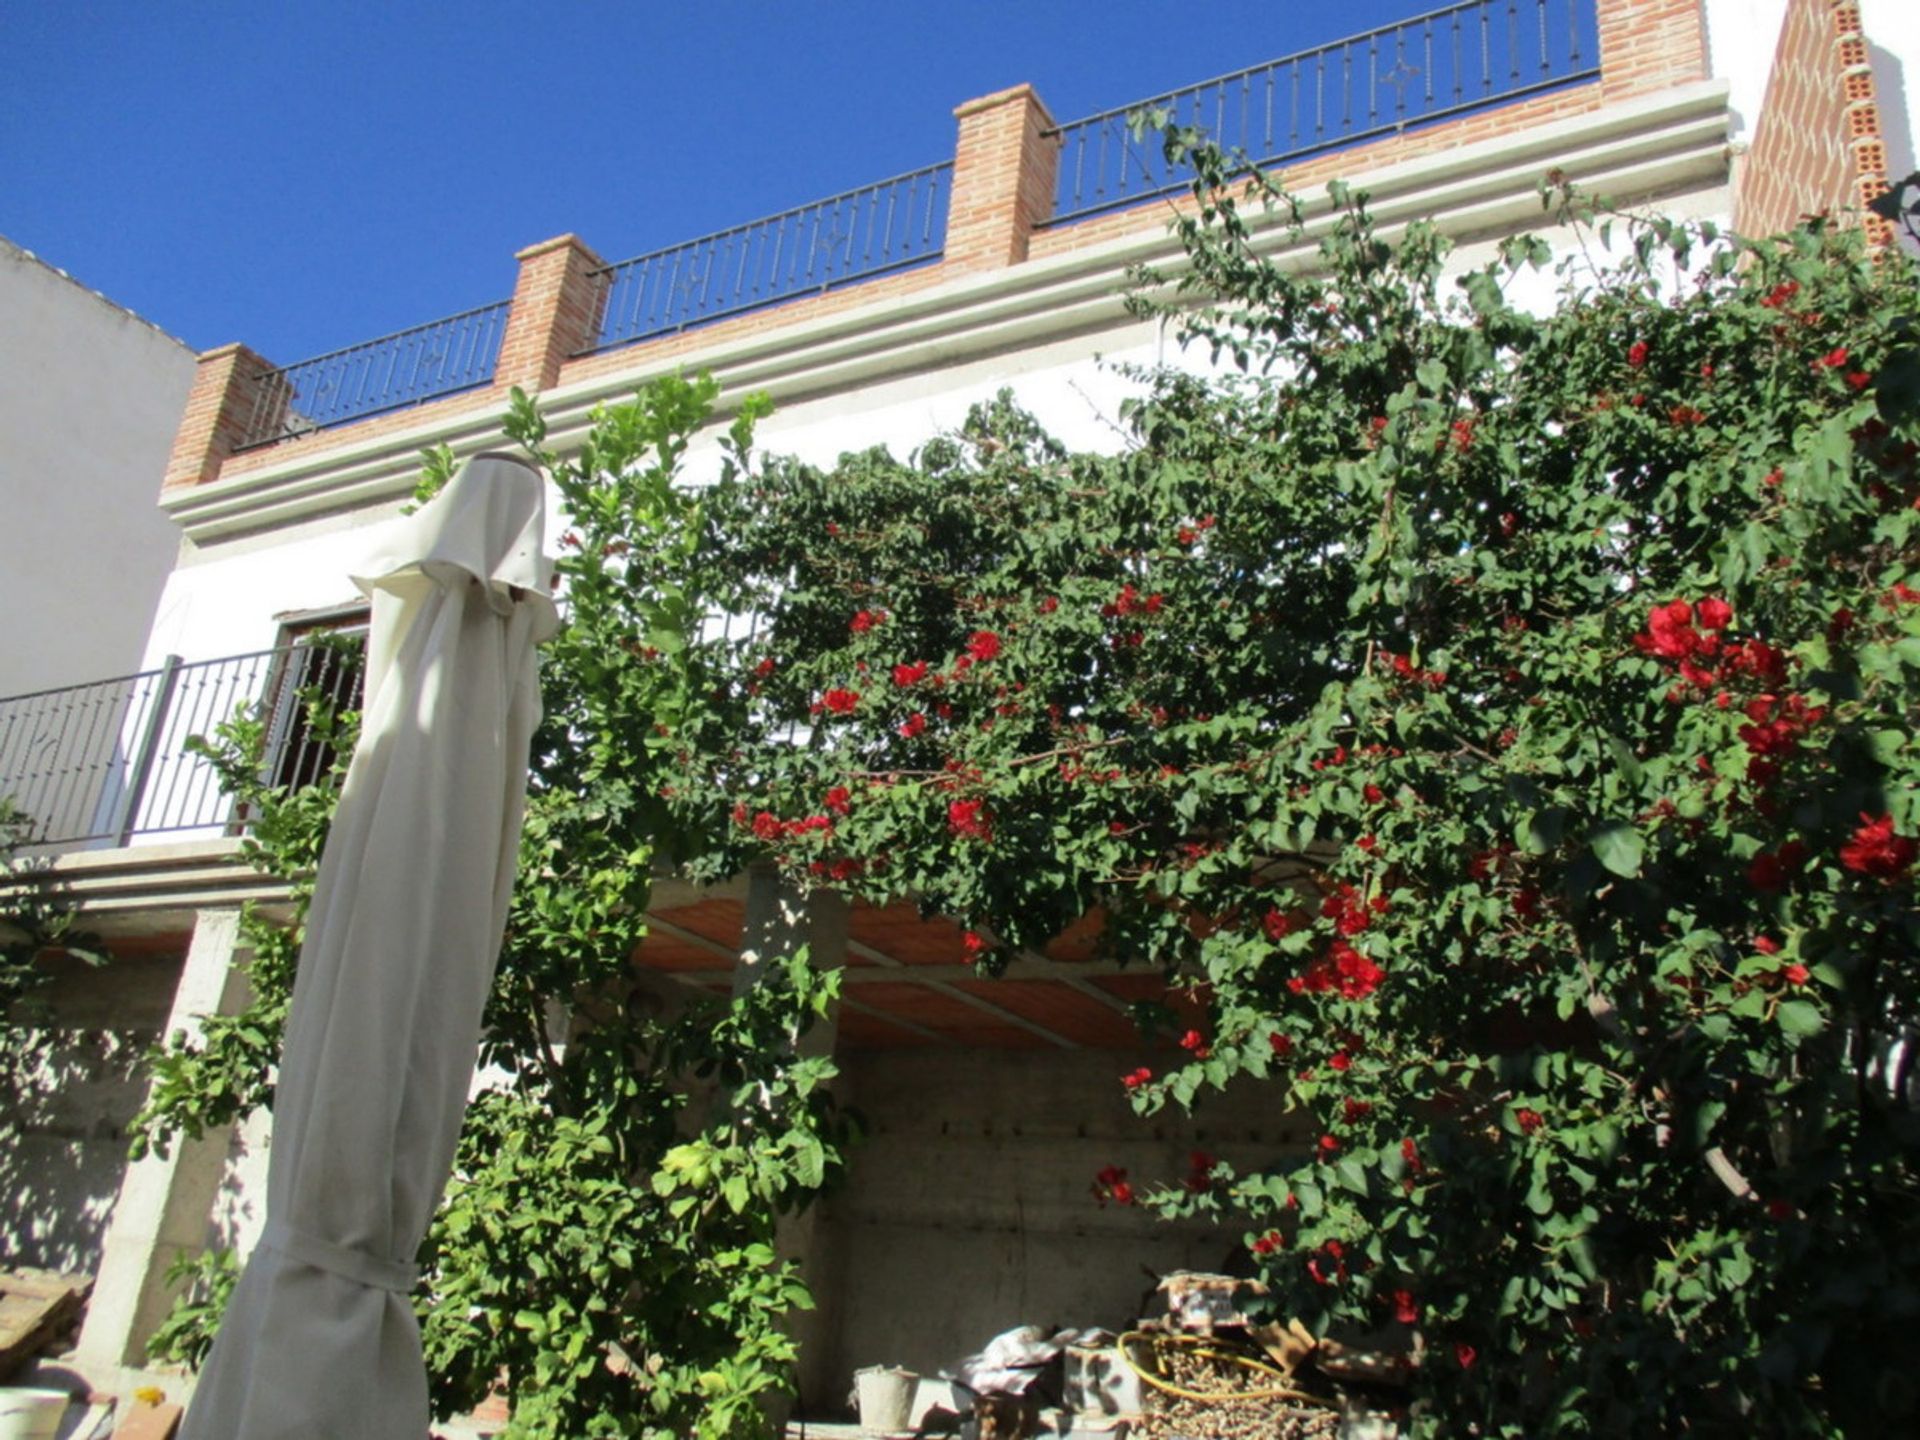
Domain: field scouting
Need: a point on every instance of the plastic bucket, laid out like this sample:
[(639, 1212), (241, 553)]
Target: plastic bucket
[(884, 1396), (32, 1414)]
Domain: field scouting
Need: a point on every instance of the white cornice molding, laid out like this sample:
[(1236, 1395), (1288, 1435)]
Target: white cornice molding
[(1654, 145)]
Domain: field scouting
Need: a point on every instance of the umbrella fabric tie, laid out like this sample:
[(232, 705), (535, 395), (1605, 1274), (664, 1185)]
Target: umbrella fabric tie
[(372, 1271)]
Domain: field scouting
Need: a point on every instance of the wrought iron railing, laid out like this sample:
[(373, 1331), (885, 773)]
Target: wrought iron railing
[(879, 228), (439, 358), (98, 764), (1435, 66)]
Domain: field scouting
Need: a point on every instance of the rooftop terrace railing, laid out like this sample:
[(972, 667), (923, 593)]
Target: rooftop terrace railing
[(890, 225), (1432, 67), (101, 763), (426, 362)]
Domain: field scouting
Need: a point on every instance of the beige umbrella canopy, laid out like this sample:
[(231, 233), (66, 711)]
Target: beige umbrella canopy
[(320, 1342)]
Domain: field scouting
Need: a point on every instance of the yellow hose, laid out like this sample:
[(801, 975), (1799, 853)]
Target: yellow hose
[(1213, 1397)]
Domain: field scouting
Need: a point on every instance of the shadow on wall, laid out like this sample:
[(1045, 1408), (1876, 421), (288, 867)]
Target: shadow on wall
[(69, 1090), (1896, 125)]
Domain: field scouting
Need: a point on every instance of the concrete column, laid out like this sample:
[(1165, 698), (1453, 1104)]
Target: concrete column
[(163, 1204), (231, 398), (555, 314), (777, 919), (1005, 163)]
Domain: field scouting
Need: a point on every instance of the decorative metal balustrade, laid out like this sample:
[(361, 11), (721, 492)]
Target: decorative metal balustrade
[(879, 228), (442, 357), (98, 764), (1436, 66)]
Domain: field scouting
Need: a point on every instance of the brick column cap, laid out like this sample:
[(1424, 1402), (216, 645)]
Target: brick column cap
[(1002, 97), (559, 242), (221, 352)]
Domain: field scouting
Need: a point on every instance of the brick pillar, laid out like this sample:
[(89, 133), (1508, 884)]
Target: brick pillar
[(1650, 45), (1004, 167), (1817, 144), (227, 400), (555, 314)]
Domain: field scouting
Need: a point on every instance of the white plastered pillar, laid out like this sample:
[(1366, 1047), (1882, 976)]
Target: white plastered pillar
[(164, 1202)]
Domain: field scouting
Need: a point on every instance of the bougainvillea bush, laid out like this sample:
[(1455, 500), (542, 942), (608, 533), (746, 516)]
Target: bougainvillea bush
[(1503, 720)]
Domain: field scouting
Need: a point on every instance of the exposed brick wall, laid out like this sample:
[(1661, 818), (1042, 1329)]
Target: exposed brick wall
[(1817, 146), (1005, 166), (1650, 45)]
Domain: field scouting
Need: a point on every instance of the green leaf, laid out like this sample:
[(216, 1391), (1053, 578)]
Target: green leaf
[(1620, 848), (1801, 1017)]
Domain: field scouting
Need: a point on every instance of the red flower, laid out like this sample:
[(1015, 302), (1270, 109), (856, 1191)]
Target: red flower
[(1268, 1243), (1795, 974), (1111, 1184), (1341, 1061), (1276, 924), (1670, 633), (1355, 1110), (865, 620), (1405, 1310), (1637, 354), (912, 726), (1772, 870), (1196, 1043), (1780, 295), (1529, 1121), (1876, 850), (1329, 1265), (983, 645), (1713, 613), (1134, 1079), (1049, 605), (1465, 1354), (1281, 1045), (764, 668), (1410, 1153), (905, 675), (1329, 1145), (1374, 794), (1766, 945), (839, 799), (767, 826), (1832, 360), (968, 819), (841, 702), (975, 942), (1858, 379)]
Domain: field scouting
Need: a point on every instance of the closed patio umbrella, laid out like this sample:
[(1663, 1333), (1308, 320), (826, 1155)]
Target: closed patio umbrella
[(320, 1341)]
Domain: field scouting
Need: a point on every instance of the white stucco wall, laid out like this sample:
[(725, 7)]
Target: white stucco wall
[(90, 396)]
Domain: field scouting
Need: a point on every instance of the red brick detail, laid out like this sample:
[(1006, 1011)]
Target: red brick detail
[(1004, 166), (229, 396), (1817, 146), (1650, 45), (555, 312)]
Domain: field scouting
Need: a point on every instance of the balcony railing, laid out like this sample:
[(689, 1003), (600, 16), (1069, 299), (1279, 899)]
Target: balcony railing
[(1433, 67), (439, 358), (879, 228), (101, 763)]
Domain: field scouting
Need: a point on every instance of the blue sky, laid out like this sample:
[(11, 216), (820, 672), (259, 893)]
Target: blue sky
[(300, 177)]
